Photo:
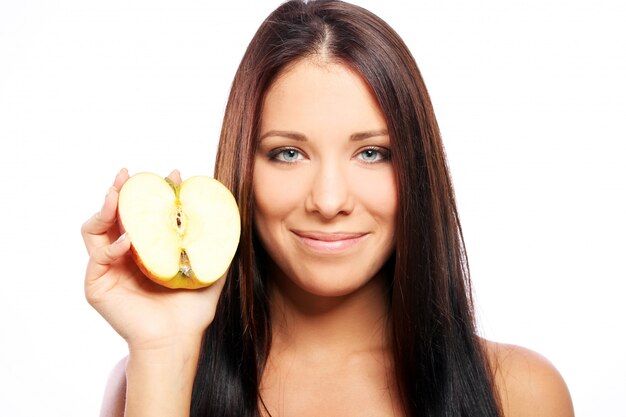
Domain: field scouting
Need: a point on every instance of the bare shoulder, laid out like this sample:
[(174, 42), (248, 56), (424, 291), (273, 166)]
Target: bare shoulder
[(114, 399), (527, 383)]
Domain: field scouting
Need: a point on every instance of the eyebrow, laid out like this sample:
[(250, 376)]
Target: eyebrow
[(302, 138)]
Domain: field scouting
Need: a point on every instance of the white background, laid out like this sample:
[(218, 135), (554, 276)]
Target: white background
[(530, 97)]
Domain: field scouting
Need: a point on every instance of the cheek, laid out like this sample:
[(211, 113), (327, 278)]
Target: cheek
[(275, 194), (378, 193)]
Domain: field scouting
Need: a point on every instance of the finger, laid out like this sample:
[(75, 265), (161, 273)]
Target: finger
[(175, 176), (101, 222), (120, 178), (102, 257), (95, 229)]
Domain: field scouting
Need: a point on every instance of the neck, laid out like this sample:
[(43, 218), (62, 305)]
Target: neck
[(321, 327)]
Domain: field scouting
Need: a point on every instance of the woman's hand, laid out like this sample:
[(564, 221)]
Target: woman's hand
[(148, 316)]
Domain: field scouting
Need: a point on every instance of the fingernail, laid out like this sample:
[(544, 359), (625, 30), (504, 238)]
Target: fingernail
[(121, 238)]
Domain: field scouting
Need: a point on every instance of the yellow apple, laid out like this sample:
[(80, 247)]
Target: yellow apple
[(182, 236)]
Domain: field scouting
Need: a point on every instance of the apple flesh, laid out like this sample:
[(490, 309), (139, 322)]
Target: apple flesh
[(182, 236)]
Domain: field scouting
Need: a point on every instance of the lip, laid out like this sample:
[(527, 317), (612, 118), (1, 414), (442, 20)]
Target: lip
[(329, 243)]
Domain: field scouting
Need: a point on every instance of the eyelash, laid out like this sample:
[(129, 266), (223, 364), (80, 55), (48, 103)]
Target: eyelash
[(384, 154), (275, 154)]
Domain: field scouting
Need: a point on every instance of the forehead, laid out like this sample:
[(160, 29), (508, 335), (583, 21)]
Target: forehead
[(314, 96)]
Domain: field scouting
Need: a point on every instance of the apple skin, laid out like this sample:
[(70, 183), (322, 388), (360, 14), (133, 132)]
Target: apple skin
[(178, 281)]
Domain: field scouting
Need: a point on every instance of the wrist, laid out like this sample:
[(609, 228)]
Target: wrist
[(170, 346), (160, 377), (176, 354)]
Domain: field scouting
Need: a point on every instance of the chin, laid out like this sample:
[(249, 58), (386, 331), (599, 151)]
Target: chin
[(329, 289), (330, 280)]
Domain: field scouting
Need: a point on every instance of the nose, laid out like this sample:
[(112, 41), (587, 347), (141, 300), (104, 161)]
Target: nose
[(330, 192)]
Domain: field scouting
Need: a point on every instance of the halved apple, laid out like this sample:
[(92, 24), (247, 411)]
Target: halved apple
[(182, 236)]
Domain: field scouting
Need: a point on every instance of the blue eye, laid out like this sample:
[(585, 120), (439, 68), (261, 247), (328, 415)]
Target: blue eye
[(285, 155), (371, 155)]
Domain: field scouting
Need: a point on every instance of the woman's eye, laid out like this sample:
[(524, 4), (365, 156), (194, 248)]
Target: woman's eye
[(374, 155), (286, 155)]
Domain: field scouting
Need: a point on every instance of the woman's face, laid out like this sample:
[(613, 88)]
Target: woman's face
[(324, 187)]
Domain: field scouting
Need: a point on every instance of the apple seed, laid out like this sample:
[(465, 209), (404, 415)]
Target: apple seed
[(181, 224)]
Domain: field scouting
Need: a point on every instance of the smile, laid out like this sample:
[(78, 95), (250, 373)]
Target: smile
[(329, 242)]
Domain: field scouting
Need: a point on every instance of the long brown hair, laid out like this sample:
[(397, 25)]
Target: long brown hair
[(440, 367)]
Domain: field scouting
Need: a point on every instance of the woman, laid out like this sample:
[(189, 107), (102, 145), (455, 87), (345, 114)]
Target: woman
[(349, 293)]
